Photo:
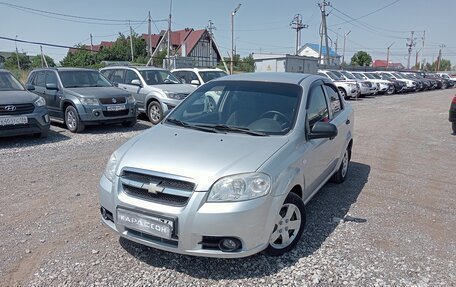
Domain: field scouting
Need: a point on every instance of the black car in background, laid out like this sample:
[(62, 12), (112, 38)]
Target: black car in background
[(21, 112)]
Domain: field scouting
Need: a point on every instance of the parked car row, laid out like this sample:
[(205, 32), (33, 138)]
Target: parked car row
[(79, 97), (361, 84)]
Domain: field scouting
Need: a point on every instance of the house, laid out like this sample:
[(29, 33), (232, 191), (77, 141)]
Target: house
[(383, 64), (96, 48), (313, 50), (193, 45)]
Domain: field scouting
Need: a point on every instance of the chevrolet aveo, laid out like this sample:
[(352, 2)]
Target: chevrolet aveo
[(233, 179)]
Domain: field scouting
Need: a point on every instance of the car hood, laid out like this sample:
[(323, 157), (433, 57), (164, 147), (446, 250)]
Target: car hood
[(200, 156), (177, 88), (97, 92), (17, 97)]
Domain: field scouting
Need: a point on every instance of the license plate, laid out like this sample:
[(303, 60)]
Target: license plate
[(149, 224), (116, 108), (11, 121)]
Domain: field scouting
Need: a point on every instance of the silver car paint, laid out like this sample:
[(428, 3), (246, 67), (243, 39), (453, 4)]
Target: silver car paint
[(203, 158)]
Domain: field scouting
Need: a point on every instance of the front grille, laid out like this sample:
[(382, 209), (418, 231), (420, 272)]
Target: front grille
[(115, 113), (113, 100), (16, 109), (174, 192)]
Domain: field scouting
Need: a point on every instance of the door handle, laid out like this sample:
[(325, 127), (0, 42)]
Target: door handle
[(347, 122)]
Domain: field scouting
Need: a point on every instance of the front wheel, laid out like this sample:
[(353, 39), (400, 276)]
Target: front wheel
[(289, 226), (72, 120), (343, 93), (155, 112), (391, 90)]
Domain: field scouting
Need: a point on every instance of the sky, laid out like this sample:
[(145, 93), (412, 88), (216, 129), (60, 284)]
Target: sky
[(261, 26)]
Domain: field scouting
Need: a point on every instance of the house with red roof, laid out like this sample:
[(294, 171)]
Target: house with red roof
[(194, 45), (385, 64)]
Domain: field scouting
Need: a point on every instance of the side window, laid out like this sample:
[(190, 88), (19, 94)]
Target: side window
[(118, 76), (335, 104), (40, 79), (107, 74), (179, 75), (317, 108), (51, 78), (192, 76), (130, 76)]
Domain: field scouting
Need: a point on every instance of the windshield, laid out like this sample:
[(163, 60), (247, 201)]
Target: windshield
[(338, 74), (158, 77), (388, 76), (370, 76), (397, 76), (333, 76), (255, 108), (83, 78), (358, 76), (9, 83), (348, 75), (210, 75)]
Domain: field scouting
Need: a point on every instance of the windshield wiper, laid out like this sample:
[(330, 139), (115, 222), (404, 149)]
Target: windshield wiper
[(187, 125), (227, 128)]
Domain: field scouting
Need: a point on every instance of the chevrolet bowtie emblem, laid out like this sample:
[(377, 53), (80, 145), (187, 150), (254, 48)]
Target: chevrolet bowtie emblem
[(154, 188)]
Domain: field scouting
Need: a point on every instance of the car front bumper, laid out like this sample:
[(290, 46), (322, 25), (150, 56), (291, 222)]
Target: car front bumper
[(250, 221), (92, 115), (37, 122)]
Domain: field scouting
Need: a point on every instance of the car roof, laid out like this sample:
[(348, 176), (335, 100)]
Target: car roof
[(138, 68), (63, 69), (291, 78), (198, 69)]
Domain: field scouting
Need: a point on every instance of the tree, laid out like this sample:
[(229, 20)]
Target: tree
[(36, 61), (361, 58), (445, 65), (24, 61), (80, 58), (247, 64)]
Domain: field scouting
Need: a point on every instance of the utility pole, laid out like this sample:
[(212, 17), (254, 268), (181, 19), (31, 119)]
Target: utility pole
[(131, 44), (422, 49), (324, 28), (417, 66), (232, 37), (149, 32), (439, 58), (168, 54), (210, 27), (91, 44), (297, 25), (410, 44), (43, 58), (17, 55), (388, 54), (337, 40), (343, 52)]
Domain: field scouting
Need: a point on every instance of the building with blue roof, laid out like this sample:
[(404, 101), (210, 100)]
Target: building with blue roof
[(313, 50)]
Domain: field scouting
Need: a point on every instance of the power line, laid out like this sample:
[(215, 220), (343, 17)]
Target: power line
[(41, 43)]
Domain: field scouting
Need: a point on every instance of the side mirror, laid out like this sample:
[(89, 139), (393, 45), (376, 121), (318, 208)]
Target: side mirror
[(30, 87), (136, 83), (322, 130), (52, 87), (195, 82)]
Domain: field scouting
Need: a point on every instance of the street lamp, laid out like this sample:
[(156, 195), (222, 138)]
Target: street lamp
[(343, 53), (232, 36)]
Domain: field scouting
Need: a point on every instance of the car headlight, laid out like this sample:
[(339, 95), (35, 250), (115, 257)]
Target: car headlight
[(110, 171), (90, 101), (240, 187), (351, 85), (40, 102), (131, 99)]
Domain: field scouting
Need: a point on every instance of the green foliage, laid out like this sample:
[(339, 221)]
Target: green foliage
[(361, 58), (159, 57), (24, 62), (36, 61), (445, 65), (246, 64)]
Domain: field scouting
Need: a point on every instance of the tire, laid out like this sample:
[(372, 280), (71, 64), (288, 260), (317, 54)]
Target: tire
[(294, 204), (453, 125), (343, 93), (342, 172), (210, 104), (129, 124), (444, 86), (155, 112), (391, 90), (72, 120)]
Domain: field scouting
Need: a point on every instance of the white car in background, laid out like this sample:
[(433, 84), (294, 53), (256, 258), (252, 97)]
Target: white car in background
[(367, 88), (198, 76), (347, 89), (383, 86)]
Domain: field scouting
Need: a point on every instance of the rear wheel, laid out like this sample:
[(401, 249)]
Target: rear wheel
[(155, 112), (342, 172), (289, 226), (72, 120)]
